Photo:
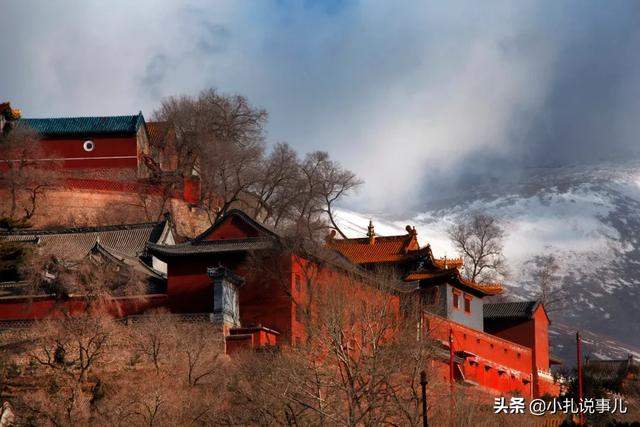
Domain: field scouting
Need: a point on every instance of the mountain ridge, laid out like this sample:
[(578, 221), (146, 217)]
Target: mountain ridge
[(587, 216)]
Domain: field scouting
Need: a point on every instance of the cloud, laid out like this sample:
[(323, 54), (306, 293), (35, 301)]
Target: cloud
[(416, 97)]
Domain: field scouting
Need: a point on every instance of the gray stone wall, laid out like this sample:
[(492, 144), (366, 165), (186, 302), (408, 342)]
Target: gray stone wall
[(474, 319)]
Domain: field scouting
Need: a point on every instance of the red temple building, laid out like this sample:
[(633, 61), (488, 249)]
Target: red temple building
[(125, 144), (496, 347), (117, 142), (110, 158), (122, 245), (503, 346)]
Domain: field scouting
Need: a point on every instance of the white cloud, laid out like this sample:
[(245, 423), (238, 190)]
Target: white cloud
[(400, 92)]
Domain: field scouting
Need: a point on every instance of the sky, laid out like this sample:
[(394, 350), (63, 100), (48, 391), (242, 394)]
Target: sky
[(416, 97)]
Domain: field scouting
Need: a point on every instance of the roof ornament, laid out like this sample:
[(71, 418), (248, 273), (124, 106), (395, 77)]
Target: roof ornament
[(8, 114), (411, 230), (371, 234)]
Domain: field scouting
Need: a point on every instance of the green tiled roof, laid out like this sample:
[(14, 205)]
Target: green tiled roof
[(85, 125)]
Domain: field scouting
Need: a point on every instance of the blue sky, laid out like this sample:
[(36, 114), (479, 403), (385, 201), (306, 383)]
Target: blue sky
[(410, 95)]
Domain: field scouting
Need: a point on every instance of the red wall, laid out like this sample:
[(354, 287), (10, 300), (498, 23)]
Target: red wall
[(522, 348), (493, 363), (533, 333), (267, 302), (42, 307), (486, 357), (262, 301), (112, 147), (517, 331), (324, 280), (246, 339), (189, 288), (540, 332)]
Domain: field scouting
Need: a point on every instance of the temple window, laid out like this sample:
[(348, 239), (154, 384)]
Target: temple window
[(431, 296), (467, 305), (88, 145), (456, 300)]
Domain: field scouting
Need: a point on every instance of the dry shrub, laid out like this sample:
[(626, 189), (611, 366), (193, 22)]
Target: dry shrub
[(93, 370)]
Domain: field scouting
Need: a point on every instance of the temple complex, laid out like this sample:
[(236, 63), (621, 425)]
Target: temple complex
[(497, 347)]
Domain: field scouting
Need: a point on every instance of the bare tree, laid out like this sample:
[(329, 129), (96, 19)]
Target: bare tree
[(94, 279), (357, 364), (200, 347), (545, 271), (326, 182), (74, 344), (154, 337), (357, 359), (275, 192), (232, 172), (221, 138), (479, 239), (153, 196), (23, 176)]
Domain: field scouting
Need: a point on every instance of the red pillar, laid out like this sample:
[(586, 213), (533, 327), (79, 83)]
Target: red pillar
[(579, 357), (451, 357), (191, 190), (451, 378)]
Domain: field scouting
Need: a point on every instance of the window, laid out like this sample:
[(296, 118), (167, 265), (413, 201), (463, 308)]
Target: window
[(456, 300), (467, 305), (88, 145), (431, 296), (297, 283)]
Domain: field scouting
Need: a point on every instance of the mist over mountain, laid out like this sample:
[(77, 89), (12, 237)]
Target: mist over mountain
[(587, 216), (413, 96)]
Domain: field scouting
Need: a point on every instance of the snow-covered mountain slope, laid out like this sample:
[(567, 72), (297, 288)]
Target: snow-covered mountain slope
[(587, 216)]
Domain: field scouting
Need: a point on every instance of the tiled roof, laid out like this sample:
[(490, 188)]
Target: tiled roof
[(510, 310), (73, 244), (380, 249), (456, 278), (448, 262), (209, 247), (85, 125), (261, 228), (424, 275), (487, 288)]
